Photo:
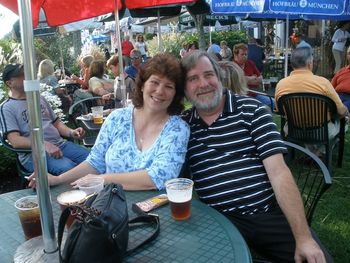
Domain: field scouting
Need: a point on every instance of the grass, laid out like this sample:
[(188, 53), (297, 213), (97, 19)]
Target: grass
[(331, 219)]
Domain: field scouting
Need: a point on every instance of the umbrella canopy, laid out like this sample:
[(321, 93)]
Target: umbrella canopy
[(83, 9), (281, 9), (209, 20)]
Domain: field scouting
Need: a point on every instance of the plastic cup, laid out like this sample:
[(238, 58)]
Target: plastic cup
[(179, 192), (71, 198), (97, 114), (29, 215), (91, 185)]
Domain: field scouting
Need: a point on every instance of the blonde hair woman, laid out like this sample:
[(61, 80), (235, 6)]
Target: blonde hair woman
[(233, 77)]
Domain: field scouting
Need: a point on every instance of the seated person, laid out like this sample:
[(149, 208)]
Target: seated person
[(253, 76), (136, 63), (113, 65), (98, 85), (83, 92), (61, 155), (341, 82), (144, 145), (235, 158), (84, 63), (302, 79), (233, 77), (46, 75)]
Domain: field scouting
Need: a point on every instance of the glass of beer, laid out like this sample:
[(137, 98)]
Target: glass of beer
[(29, 215), (97, 114), (70, 198), (179, 191)]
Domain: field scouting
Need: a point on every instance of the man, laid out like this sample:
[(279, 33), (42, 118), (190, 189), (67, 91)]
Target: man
[(256, 54), (253, 75), (302, 79), (61, 155), (301, 42), (127, 46), (341, 82), (136, 63), (236, 162)]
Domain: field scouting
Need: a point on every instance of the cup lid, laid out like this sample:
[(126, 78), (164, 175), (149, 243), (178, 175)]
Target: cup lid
[(71, 197)]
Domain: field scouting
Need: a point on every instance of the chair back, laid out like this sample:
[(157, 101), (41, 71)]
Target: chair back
[(308, 115), (21, 171), (311, 176), (83, 107)]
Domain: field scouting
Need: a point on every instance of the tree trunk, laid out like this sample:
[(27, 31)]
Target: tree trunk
[(198, 21)]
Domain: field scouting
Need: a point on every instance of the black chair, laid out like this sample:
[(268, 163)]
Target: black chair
[(21, 171), (311, 176), (83, 107), (308, 115)]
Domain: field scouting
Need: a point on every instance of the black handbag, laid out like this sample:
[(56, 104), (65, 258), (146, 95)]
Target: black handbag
[(100, 232)]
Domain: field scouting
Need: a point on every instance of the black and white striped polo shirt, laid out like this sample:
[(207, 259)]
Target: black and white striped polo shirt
[(225, 158)]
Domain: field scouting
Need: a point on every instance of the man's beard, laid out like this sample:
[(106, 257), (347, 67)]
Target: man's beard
[(208, 105)]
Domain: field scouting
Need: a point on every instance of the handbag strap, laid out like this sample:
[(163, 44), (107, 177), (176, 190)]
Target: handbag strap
[(61, 224), (148, 219)]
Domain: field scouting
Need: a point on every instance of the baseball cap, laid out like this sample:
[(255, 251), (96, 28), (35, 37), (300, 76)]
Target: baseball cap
[(12, 70)]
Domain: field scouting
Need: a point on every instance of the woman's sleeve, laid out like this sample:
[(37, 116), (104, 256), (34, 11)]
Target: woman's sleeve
[(171, 154)]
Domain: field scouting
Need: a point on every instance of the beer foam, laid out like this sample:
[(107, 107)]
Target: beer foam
[(71, 197)]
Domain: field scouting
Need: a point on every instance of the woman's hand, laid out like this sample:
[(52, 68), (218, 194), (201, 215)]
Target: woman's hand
[(33, 178), (76, 182)]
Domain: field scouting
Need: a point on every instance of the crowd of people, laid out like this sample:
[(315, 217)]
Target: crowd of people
[(226, 142)]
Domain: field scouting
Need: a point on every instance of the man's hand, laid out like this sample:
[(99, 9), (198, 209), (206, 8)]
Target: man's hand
[(78, 133), (107, 96), (308, 251), (53, 150)]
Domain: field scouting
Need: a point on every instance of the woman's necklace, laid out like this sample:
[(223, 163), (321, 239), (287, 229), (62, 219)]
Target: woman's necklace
[(144, 132)]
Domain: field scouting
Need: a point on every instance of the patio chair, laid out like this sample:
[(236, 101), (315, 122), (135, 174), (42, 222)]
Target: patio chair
[(83, 107), (311, 176), (21, 171), (308, 115)]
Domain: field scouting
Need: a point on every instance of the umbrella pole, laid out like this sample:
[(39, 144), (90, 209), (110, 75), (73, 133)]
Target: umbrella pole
[(120, 56), (286, 48), (32, 87), (160, 48)]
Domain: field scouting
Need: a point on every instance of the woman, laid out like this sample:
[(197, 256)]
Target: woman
[(225, 52), (98, 85), (46, 75), (233, 77), (144, 145), (83, 92), (140, 44), (339, 40)]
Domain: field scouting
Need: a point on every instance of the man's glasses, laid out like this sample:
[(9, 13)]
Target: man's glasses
[(134, 58)]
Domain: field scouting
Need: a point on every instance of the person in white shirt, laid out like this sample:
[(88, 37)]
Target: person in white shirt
[(339, 40)]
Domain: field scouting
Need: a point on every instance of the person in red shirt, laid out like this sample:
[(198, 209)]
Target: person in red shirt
[(341, 82), (253, 75), (127, 46)]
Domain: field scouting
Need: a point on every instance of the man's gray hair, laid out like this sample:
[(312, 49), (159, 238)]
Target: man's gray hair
[(301, 57), (191, 60)]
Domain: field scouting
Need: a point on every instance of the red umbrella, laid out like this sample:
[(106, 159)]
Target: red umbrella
[(60, 12)]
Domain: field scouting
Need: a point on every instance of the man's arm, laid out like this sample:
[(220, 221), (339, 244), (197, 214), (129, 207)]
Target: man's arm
[(18, 141), (67, 132), (289, 199)]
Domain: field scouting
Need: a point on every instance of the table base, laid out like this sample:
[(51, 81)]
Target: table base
[(33, 251)]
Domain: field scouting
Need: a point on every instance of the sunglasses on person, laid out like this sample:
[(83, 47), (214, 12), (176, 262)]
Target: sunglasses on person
[(134, 58)]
